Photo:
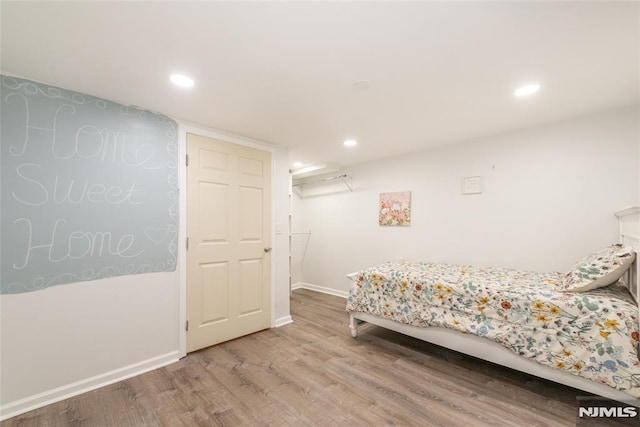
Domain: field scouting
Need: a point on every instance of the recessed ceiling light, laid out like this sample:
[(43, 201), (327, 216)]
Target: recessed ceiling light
[(181, 80), (527, 90), (350, 143)]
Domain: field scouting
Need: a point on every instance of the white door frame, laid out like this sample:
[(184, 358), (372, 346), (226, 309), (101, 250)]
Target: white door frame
[(183, 130)]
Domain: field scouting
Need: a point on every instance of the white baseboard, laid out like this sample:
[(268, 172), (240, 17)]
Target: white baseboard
[(39, 400), (283, 321), (330, 291)]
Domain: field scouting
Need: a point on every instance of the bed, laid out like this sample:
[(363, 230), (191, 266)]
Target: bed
[(578, 328)]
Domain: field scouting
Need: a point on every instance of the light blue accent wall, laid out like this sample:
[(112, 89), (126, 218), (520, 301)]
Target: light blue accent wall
[(89, 188)]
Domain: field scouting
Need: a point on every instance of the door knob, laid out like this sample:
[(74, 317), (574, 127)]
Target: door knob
[(267, 249)]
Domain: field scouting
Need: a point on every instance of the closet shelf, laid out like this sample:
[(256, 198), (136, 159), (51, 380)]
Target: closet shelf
[(301, 188)]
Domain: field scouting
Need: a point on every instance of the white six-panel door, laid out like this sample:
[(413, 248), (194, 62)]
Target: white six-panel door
[(228, 227)]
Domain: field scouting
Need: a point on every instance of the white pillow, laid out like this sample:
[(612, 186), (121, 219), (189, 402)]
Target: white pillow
[(599, 269)]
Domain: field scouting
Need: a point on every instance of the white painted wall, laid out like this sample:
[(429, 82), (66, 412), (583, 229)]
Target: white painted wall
[(281, 314), (300, 240), (69, 339), (549, 197), (65, 339)]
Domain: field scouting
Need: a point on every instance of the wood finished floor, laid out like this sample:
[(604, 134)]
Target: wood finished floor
[(312, 373)]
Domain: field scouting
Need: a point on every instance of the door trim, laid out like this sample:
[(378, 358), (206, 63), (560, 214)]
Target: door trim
[(183, 130)]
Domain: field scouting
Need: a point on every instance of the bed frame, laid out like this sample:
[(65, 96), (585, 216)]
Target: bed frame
[(629, 221)]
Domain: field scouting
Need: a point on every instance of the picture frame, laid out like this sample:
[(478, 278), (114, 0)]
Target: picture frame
[(395, 209)]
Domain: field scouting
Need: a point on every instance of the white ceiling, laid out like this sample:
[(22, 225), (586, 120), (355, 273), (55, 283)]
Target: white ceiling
[(283, 72)]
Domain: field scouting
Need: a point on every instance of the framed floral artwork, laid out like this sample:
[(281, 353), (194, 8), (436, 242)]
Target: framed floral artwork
[(395, 208)]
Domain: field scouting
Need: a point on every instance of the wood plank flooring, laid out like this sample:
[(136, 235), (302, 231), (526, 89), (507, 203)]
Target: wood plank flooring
[(312, 373)]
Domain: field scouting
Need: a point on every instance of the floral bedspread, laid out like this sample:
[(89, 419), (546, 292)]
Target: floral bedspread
[(592, 334)]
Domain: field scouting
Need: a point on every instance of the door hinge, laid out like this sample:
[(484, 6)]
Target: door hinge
[(187, 327), (187, 161), (187, 243)]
